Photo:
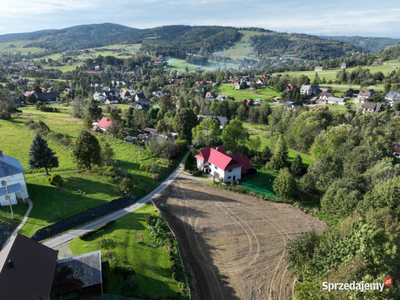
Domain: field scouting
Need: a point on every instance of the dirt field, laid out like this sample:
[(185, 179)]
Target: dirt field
[(233, 244)]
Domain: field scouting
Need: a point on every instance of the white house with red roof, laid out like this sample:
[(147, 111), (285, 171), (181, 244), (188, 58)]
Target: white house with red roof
[(216, 162), (103, 125)]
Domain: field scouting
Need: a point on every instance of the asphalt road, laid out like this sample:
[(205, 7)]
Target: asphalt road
[(61, 239)]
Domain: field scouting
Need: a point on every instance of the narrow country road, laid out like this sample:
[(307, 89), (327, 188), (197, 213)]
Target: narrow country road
[(61, 239)]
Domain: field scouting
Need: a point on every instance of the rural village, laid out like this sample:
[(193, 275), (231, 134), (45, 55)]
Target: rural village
[(142, 171)]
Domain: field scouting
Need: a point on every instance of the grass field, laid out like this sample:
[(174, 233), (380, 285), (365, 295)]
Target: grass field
[(228, 90), (181, 64), (331, 74), (18, 47), (135, 248), (52, 204)]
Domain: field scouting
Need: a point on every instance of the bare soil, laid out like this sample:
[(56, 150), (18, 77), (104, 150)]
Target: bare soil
[(233, 244)]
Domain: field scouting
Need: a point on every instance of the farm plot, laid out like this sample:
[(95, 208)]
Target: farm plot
[(233, 244)]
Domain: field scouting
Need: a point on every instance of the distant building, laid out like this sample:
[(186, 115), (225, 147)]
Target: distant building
[(391, 98), (336, 101), (293, 105), (370, 107), (343, 66), (309, 90), (318, 69), (364, 95), (103, 125)]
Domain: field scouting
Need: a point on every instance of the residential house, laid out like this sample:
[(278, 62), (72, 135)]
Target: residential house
[(103, 125), (350, 93), (396, 150), (309, 90), (318, 69), (158, 94), (126, 95), (18, 102), (370, 107), (293, 105), (221, 97), (248, 102), (156, 137), (111, 100), (364, 95), (290, 87), (140, 97), (392, 97), (150, 130), (12, 175), (377, 63), (26, 269), (223, 167), (87, 269), (325, 96), (343, 66), (336, 101), (99, 96), (145, 106), (47, 97), (209, 96), (222, 121)]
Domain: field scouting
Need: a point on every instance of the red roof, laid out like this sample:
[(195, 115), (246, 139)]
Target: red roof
[(104, 123), (397, 149), (244, 161), (218, 158)]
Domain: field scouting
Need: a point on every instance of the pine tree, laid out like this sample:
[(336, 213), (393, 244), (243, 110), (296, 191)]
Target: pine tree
[(280, 158), (41, 156), (285, 185), (87, 150), (296, 168)]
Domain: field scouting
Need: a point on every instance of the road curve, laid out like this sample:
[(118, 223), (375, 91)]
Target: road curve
[(66, 237)]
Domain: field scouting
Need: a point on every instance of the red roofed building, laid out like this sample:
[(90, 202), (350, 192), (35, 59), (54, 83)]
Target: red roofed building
[(216, 162), (396, 150), (103, 125)]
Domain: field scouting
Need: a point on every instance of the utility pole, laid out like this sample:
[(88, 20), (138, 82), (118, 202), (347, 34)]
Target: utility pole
[(4, 183)]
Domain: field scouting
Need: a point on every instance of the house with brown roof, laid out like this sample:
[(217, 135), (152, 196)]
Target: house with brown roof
[(217, 162), (26, 269), (365, 95)]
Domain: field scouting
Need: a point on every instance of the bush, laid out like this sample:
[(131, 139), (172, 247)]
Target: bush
[(132, 282), (5, 115), (56, 180), (124, 271), (106, 243), (197, 173), (126, 186)]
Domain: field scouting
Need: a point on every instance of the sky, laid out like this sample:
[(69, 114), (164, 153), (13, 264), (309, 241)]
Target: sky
[(339, 17)]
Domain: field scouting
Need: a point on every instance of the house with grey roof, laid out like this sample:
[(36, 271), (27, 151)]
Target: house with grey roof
[(370, 107), (336, 101), (392, 97), (309, 90), (12, 180)]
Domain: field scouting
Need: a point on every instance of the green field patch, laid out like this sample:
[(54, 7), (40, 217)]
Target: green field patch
[(229, 90), (150, 262)]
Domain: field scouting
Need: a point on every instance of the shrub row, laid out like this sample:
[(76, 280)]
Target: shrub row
[(98, 230)]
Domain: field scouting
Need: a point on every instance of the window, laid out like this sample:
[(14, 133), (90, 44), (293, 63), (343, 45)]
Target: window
[(229, 177), (231, 170), (216, 168)]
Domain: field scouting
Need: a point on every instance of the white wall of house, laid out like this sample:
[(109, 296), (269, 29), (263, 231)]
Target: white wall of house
[(14, 179), (236, 172)]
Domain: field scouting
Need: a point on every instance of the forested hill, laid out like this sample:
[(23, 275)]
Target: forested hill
[(371, 44), (178, 40), (300, 46), (77, 37)]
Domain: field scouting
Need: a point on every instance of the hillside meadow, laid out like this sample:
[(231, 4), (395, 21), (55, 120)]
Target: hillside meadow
[(98, 186)]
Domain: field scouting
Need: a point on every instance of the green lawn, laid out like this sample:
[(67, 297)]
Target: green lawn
[(135, 248), (229, 90), (262, 132), (51, 204), (181, 64)]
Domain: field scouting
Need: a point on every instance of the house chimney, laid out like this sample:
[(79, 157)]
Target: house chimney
[(11, 263)]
